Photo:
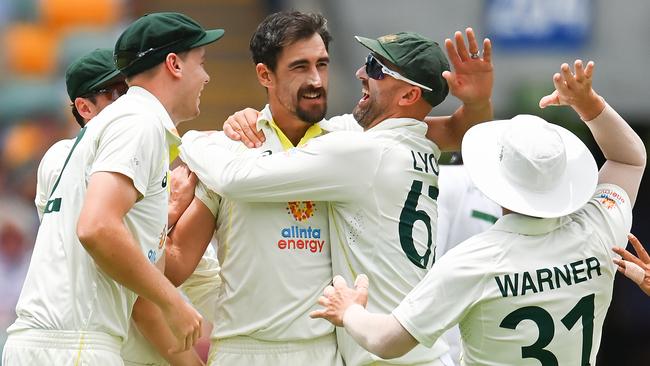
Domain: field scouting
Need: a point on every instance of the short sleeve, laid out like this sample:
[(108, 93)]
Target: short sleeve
[(610, 213), (441, 300), (209, 198), (130, 146)]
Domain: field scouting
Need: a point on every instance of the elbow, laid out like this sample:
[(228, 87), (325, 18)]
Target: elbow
[(92, 230), (89, 232), (143, 314), (388, 353), (643, 156)]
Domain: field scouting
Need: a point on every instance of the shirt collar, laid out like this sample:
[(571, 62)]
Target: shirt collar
[(266, 119), (171, 133), (527, 225), (392, 123)]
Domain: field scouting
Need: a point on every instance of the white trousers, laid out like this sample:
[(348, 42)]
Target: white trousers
[(65, 348)]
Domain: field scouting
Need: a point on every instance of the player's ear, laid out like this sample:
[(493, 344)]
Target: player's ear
[(84, 107), (410, 96), (173, 64), (264, 75)]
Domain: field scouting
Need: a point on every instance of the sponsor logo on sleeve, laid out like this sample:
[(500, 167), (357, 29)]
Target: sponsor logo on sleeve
[(610, 199)]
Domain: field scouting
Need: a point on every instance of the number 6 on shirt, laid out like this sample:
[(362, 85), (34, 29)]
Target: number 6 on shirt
[(407, 219)]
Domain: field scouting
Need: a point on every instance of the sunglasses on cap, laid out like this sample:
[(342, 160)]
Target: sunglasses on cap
[(114, 91), (376, 70)]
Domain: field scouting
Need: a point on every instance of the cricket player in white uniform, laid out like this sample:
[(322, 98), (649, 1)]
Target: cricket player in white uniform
[(360, 172), (105, 222), (92, 83), (535, 288), (275, 257), (463, 211)]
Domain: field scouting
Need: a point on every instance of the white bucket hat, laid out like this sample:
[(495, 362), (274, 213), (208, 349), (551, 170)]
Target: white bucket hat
[(530, 166)]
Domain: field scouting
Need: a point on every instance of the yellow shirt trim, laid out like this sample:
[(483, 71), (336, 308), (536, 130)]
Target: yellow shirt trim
[(313, 131)]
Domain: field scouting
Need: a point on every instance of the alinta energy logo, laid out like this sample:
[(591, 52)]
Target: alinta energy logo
[(301, 238), (301, 211)]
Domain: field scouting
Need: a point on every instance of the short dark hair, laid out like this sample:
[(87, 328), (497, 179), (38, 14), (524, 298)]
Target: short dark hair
[(80, 120), (284, 28)]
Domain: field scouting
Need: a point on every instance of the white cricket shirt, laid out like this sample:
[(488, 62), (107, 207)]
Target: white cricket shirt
[(64, 290), (48, 172), (463, 211), (275, 257), (382, 188), (528, 291)]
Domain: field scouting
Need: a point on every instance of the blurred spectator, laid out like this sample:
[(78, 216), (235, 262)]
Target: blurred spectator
[(18, 224)]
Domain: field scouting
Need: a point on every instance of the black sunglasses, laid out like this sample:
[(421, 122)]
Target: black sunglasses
[(376, 70)]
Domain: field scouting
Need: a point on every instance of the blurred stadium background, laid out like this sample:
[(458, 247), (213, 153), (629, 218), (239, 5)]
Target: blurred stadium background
[(531, 39)]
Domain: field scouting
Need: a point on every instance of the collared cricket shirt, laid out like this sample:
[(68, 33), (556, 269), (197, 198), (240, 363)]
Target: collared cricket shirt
[(64, 289), (528, 291), (382, 189), (275, 257)]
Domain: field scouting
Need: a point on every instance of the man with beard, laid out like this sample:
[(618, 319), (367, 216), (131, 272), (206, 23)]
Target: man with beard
[(380, 184), (257, 242), (535, 288)]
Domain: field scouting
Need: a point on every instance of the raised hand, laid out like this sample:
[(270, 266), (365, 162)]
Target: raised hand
[(338, 297), (242, 126), (472, 77), (575, 90), (635, 268)]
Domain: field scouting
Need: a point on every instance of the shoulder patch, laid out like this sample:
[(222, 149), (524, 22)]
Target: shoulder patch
[(609, 198)]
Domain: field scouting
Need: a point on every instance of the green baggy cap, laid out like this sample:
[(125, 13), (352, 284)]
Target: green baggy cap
[(148, 40), (91, 72), (418, 58)]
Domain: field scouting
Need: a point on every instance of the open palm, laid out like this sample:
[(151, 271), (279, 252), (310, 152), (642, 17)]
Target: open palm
[(472, 77)]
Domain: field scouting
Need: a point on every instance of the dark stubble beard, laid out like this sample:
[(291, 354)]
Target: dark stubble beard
[(313, 115), (365, 115)]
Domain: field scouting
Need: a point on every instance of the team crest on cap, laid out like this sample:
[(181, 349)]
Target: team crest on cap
[(301, 211), (388, 38)]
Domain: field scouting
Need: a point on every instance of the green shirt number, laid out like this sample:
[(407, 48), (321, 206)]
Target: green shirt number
[(407, 219), (584, 310)]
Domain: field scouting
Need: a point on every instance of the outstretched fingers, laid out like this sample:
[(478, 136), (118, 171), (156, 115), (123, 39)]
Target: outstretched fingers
[(487, 50), (461, 49), (638, 248), (471, 41)]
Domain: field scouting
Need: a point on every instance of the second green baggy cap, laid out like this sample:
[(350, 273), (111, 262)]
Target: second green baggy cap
[(148, 40), (91, 72), (418, 58)]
